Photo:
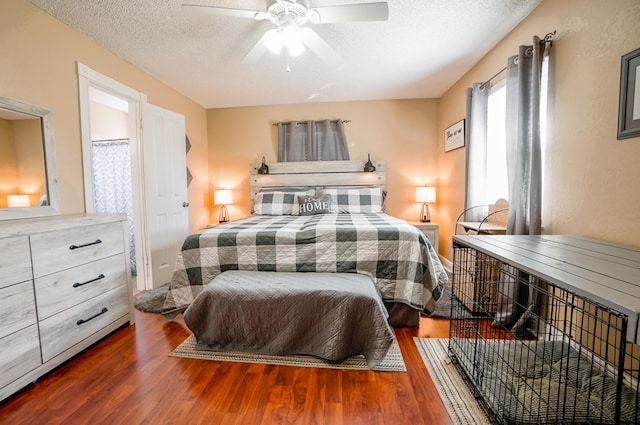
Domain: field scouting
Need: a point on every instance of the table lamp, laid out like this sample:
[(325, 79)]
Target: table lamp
[(18, 201), (425, 194), (222, 197)]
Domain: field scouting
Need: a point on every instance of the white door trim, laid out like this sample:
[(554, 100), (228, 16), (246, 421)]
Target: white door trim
[(88, 77)]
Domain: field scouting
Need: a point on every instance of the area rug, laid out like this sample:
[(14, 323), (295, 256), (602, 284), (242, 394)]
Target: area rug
[(462, 406), (393, 362), (152, 300), (446, 301)]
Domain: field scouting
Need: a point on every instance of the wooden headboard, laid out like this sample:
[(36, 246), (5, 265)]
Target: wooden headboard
[(317, 174)]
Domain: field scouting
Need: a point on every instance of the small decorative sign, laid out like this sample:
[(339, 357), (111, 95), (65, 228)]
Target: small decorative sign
[(454, 136)]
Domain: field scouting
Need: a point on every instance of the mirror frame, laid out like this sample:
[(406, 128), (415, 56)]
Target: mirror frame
[(51, 175)]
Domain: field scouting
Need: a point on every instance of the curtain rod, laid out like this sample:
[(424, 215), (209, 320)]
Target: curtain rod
[(126, 139), (298, 122), (491, 79), (548, 38)]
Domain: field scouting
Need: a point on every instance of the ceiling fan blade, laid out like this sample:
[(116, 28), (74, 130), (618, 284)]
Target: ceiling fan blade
[(377, 11), (223, 11), (320, 47), (258, 50)]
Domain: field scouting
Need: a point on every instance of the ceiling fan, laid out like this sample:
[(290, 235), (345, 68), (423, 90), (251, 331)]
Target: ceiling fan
[(290, 17)]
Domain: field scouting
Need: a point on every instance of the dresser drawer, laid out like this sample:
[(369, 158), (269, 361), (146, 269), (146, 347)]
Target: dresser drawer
[(17, 309), (19, 354), (63, 249), (65, 329), (15, 260), (59, 291)]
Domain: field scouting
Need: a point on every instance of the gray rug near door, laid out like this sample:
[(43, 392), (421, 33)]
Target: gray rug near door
[(456, 395), (152, 300), (393, 361)]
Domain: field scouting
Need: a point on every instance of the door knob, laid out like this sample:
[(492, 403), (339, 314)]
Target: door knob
[(185, 204)]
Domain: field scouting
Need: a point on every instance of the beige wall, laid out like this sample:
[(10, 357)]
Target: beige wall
[(401, 132), (108, 123), (42, 52), (591, 178)]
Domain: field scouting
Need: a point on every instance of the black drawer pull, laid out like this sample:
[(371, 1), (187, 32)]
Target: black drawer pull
[(85, 245), (81, 321), (78, 284)]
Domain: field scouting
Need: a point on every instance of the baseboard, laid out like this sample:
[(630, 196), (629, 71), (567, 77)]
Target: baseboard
[(448, 265)]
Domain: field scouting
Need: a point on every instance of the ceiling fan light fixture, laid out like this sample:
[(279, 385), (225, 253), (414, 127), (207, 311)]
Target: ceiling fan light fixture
[(295, 47), (274, 41), (287, 36)]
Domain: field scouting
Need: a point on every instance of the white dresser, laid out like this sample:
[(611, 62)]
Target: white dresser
[(64, 284)]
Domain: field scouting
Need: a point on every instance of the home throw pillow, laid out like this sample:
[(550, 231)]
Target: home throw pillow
[(310, 205)]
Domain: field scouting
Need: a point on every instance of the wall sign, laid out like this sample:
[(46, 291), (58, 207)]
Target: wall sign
[(454, 136)]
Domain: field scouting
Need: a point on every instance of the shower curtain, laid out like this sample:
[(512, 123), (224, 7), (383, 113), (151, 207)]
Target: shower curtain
[(112, 184)]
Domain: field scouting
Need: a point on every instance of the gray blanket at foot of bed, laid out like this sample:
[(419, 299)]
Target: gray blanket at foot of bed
[(328, 315)]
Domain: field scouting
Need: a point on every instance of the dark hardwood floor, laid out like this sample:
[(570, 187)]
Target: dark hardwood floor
[(128, 378)]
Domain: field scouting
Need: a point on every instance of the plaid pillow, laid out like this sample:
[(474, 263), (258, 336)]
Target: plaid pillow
[(278, 203), (355, 200)]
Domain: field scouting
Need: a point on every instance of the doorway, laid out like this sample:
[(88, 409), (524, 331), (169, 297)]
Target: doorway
[(118, 106), (111, 161), (157, 169)]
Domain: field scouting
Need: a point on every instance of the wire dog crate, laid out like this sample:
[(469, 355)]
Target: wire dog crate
[(477, 286), (560, 344)]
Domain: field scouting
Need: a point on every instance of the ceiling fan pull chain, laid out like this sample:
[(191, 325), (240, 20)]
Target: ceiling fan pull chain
[(288, 57)]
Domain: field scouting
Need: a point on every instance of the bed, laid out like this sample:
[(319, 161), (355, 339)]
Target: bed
[(270, 313), (353, 236)]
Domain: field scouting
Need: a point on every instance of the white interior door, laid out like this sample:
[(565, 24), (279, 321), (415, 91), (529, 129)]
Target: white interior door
[(166, 206)]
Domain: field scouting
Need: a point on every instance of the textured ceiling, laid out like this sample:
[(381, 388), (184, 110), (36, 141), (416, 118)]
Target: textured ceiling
[(424, 47)]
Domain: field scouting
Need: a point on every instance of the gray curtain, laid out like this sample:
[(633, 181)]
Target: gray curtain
[(524, 154), (476, 151), (312, 141), (524, 169)]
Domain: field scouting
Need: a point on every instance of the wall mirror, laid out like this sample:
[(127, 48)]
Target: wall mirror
[(28, 180)]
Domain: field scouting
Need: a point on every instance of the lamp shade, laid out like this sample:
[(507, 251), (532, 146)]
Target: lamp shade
[(425, 194), (222, 197), (18, 201)]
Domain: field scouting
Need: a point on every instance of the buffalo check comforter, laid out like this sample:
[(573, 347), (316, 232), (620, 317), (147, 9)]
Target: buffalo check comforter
[(394, 254)]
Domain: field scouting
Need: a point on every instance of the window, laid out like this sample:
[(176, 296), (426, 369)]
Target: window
[(322, 140), (497, 183)]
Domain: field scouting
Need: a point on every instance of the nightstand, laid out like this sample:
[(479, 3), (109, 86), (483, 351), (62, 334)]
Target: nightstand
[(210, 225), (430, 230)]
